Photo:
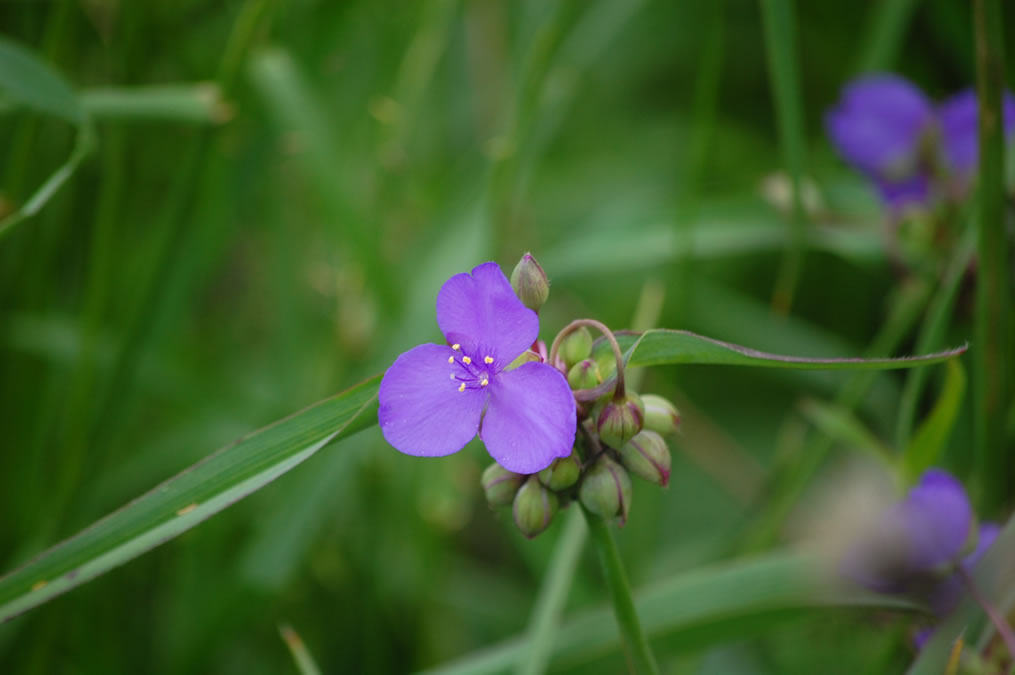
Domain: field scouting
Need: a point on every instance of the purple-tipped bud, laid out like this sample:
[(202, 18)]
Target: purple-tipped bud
[(562, 474), (661, 416), (606, 490), (534, 507), (646, 455), (584, 375), (530, 283), (500, 485), (619, 421), (576, 346)]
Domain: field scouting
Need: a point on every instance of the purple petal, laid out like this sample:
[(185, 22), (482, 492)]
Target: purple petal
[(422, 412), (530, 420), (898, 195), (987, 534), (877, 125), (959, 117), (481, 312), (948, 594), (938, 518)]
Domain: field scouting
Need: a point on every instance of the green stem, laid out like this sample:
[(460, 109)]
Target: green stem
[(636, 645), (992, 297), (781, 50), (546, 615)]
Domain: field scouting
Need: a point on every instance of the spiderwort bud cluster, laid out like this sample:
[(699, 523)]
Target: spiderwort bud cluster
[(620, 432)]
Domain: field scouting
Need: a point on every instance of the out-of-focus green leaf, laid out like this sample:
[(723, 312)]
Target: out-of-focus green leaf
[(840, 424), (188, 498), (26, 81), (691, 610), (932, 436)]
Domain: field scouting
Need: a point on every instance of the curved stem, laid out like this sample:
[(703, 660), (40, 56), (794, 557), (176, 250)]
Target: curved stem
[(1000, 623), (607, 333), (639, 653)]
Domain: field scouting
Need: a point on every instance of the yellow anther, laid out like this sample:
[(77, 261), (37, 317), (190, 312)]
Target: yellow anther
[(462, 387), (484, 382), (466, 360), (456, 346), (487, 359), (451, 359)]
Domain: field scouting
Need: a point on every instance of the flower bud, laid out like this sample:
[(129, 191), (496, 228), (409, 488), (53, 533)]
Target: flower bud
[(534, 507), (576, 346), (563, 473), (619, 420), (646, 455), (661, 416), (606, 489), (500, 485), (530, 282), (584, 375)]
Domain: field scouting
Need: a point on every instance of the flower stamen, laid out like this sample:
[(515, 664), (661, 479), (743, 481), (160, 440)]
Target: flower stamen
[(456, 346), (484, 382), (451, 359), (466, 360), (488, 360), (462, 387)]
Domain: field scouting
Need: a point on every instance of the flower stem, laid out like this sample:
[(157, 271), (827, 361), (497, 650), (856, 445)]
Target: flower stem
[(607, 333), (549, 607), (639, 653), (1000, 623)]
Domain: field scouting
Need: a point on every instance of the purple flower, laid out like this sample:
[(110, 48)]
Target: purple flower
[(878, 124), (434, 398), (916, 536), (959, 119)]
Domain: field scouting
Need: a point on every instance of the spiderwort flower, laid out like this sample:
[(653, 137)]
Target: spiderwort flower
[(915, 538), (434, 398), (959, 119)]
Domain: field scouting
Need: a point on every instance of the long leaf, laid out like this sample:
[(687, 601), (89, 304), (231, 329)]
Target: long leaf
[(188, 498), (691, 610)]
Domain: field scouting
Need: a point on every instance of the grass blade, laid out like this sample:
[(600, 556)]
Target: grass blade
[(188, 498)]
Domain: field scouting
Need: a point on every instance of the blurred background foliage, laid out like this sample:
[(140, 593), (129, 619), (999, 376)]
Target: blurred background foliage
[(276, 228)]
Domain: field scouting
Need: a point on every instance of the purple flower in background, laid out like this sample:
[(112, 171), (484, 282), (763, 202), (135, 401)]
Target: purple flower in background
[(959, 117), (925, 531), (434, 398), (913, 152)]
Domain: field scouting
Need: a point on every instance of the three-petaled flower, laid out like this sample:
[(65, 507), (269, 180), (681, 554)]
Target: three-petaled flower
[(435, 398)]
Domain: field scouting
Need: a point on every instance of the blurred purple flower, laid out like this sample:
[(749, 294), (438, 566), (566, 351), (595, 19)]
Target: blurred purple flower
[(434, 398), (916, 536), (958, 117), (885, 127)]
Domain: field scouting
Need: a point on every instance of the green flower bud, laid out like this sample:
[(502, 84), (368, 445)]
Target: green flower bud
[(576, 346), (500, 485), (530, 282), (661, 416), (584, 375), (606, 489), (619, 421), (534, 507), (563, 473), (606, 362), (528, 356), (646, 455)]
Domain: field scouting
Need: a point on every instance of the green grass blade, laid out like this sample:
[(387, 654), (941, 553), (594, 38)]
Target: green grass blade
[(994, 351), (778, 17), (887, 26), (931, 438), (669, 347), (200, 103), (188, 498), (691, 610)]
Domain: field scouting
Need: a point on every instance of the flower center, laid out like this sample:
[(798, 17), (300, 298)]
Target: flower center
[(468, 373)]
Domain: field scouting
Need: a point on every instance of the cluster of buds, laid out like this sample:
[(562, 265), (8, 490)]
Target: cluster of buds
[(620, 432)]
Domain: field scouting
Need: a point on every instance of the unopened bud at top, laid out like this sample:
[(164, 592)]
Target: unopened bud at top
[(661, 416), (576, 346), (500, 485), (534, 507), (620, 419), (530, 283), (584, 375), (646, 455), (562, 473), (606, 489)]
